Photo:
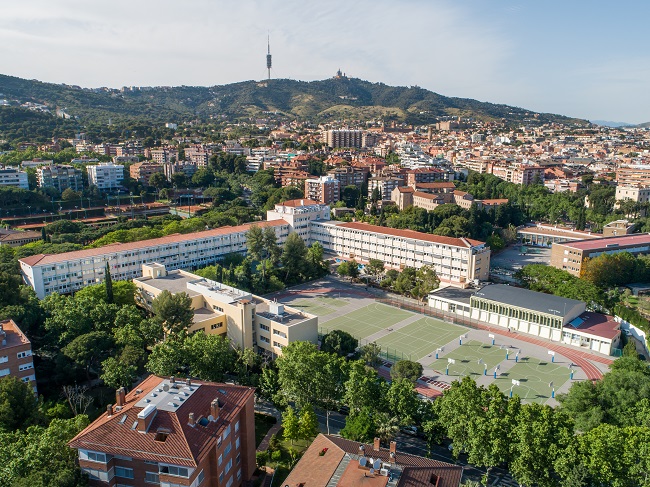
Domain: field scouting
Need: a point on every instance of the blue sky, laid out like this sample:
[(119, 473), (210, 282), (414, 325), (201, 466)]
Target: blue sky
[(588, 59)]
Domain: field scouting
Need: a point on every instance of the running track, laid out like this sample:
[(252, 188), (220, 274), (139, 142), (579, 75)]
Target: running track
[(579, 358)]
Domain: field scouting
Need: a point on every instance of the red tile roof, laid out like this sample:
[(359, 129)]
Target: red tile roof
[(457, 242), (184, 444), (435, 185), (44, 259), (596, 324), (300, 202)]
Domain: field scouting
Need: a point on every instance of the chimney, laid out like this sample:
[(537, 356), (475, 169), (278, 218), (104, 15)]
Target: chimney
[(190, 420), (393, 447), (214, 409), (145, 418), (109, 409), (172, 379), (188, 382), (376, 445), (120, 397)]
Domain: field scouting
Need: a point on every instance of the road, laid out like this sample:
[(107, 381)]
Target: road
[(417, 446)]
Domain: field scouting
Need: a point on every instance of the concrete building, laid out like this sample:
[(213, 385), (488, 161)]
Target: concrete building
[(164, 155), (247, 320), (350, 175), (325, 189), (402, 196), (633, 175), (385, 186), (428, 201), (344, 138), (106, 176), (570, 256), (543, 315), (10, 176), (172, 433), (299, 216), (71, 271), (142, 171), (522, 174), (427, 175), (546, 235), (198, 156), (618, 227), (187, 168), (637, 194), (332, 461), (16, 238), (16, 353), (59, 177)]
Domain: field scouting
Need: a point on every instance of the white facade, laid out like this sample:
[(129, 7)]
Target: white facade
[(299, 214), (106, 176), (10, 176)]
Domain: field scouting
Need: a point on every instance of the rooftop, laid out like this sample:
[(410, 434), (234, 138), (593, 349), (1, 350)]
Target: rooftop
[(595, 324), (454, 294), (12, 334), (524, 298), (608, 242), (558, 231)]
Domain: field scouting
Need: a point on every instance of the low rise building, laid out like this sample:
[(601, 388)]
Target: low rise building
[(546, 235), (247, 320), (618, 227), (106, 176), (10, 176), (16, 238), (170, 432), (16, 353), (570, 256), (543, 315)]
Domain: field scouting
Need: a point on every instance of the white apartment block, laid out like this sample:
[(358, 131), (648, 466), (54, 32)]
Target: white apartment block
[(638, 194), (71, 271), (10, 176), (106, 176), (457, 261), (325, 189)]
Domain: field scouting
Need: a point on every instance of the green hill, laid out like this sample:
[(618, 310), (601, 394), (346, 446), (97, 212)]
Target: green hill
[(324, 100)]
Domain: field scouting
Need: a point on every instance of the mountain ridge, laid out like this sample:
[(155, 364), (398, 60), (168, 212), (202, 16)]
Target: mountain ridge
[(323, 100)]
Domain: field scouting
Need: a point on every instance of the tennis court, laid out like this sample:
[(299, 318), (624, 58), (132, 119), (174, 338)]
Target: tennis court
[(534, 377), (420, 338), (367, 320), (319, 305), (470, 359)]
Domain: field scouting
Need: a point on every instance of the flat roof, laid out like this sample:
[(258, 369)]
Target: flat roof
[(524, 298), (454, 294), (175, 282), (608, 242), (559, 232), (596, 324)]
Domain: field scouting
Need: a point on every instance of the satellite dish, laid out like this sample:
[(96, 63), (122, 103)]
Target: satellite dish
[(166, 388)]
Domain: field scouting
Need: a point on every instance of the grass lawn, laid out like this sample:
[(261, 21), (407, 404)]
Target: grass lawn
[(420, 338), (282, 467), (263, 423), (368, 320)]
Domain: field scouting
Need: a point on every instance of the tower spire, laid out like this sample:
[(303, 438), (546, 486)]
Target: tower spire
[(268, 56)]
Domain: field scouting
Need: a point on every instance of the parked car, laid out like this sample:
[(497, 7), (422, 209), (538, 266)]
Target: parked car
[(410, 430)]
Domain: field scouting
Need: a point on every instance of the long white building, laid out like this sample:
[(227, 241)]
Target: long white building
[(10, 176), (457, 261), (106, 176)]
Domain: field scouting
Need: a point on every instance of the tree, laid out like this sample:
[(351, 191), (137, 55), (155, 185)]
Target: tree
[(369, 353), (375, 267), (316, 266), (403, 402), (386, 426), (406, 369), (308, 422), (294, 254), (158, 181), (166, 358), (117, 373), (350, 195), (70, 195), (174, 312), (89, 349), (291, 425), (360, 425), (209, 356), (18, 405), (426, 281), (108, 284), (78, 398), (339, 342), (405, 281), (349, 269), (364, 388)]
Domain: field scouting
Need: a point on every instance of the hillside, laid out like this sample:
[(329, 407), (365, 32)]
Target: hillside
[(324, 100)]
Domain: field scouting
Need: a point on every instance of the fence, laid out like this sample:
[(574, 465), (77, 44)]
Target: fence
[(389, 354)]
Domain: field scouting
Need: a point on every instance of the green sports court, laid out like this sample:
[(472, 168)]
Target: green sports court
[(320, 305), (534, 377), (420, 338), (367, 321), (467, 358)]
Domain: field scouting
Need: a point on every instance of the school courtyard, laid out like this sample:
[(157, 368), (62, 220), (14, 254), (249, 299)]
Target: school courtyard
[(534, 369)]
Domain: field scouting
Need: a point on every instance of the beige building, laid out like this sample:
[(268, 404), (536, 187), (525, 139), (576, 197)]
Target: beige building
[(325, 189), (247, 320), (427, 201), (402, 196), (638, 194), (618, 227)]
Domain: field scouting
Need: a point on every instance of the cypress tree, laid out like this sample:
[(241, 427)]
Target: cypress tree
[(109, 284)]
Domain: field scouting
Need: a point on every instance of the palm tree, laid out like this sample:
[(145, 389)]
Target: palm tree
[(387, 427)]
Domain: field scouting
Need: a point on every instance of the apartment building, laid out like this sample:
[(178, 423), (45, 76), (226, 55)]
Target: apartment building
[(164, 155), (638, 194), (198, 156), (457, 261), (402, 196), (71, 271), (325, 189), (16, 353), (247, 320), (350, 175), (10, 176), (172, 433), (384, 185), (299, 215), (570, 256), (59, 177), (344, 138), (522, 174), (106, 176), (142, 171), (187, 168), (427, 175), (633, 175)]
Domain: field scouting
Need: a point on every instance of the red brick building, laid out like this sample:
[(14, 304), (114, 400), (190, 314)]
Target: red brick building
[(16, 353), (172, 433)]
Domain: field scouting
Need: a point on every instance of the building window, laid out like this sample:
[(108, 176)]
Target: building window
[(236, 426), (220, 460), (151, 478), (126, 473), (28, 353), (93, 456), (174, 470), (228, 466), (228, 448), (25, 367), (200, 477), (230, 481), (237, 443)]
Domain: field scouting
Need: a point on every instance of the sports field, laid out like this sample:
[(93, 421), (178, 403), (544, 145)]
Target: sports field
[(534, 377), (367, 321), (467, 358), (319, 305), (420, 338)]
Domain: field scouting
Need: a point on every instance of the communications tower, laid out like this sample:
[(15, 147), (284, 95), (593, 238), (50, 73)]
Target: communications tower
[(268, 57)]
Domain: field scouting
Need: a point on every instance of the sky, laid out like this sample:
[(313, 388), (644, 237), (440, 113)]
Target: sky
[(582, 58)]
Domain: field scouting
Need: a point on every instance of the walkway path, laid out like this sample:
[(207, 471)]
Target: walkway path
[(264, 408)]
